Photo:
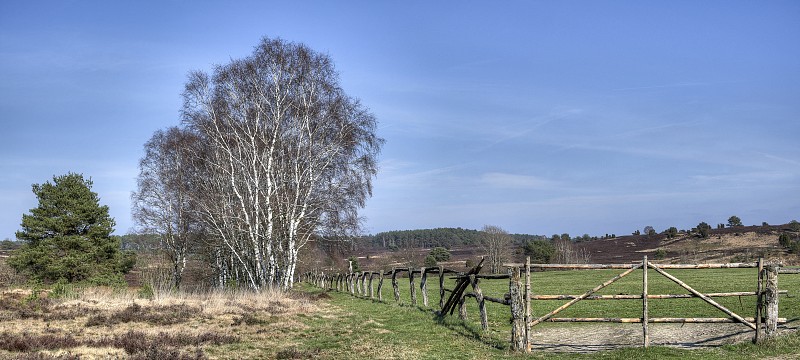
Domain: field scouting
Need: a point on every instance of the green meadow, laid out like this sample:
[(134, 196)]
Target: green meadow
[(401, 330)]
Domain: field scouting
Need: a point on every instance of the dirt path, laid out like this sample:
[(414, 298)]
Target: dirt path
[(601, 337)]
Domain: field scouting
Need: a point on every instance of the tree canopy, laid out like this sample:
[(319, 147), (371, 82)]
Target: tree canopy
[(734, 221), (68, 235), (272, 154)]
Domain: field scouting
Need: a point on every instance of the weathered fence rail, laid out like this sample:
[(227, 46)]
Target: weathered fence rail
[(519, 295)]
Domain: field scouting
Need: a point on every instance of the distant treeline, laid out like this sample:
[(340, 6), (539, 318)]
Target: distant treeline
[(429, 238)]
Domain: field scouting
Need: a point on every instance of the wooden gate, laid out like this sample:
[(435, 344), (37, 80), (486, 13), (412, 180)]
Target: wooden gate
[(766, 311)]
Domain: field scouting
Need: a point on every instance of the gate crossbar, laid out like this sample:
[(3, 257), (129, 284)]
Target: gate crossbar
[(702, 296), (585, 295)]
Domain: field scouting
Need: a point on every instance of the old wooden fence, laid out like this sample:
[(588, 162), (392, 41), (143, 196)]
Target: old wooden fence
[(520, 294)]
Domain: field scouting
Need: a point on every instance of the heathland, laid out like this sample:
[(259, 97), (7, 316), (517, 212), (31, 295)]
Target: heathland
[(147, 319)]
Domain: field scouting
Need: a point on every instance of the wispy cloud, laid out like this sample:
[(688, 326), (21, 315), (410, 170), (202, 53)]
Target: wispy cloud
[(743, 179), (396, 173), (525, 128), (515, 181), (781, 159)]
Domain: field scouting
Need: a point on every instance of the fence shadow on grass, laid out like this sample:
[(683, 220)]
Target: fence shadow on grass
[(469, 330)]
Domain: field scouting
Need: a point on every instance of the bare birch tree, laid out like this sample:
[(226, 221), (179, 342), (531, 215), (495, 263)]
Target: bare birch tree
[(287, 155), (162, 205), (497, 243)]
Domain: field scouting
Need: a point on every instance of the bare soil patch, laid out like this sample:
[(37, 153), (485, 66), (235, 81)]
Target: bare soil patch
[(603, 337)]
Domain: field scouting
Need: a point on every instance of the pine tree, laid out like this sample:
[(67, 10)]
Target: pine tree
[(68, 236)]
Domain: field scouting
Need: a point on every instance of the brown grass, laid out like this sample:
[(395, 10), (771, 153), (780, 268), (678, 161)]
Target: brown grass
[(106, 323)]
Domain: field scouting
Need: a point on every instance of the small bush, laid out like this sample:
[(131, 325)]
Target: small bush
[(63, 290), (440, 254), (540, 251), (795, 248), (146, 292), (354, 263), (785, 240), (430, 261), (660, 254)]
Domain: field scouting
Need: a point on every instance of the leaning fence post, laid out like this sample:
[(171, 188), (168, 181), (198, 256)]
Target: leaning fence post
[(423, 286), (413, 288), (517, 310), (395, 287), (771, 299), (476, 289)]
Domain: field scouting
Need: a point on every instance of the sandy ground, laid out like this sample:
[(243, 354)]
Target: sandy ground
[(601, 337)]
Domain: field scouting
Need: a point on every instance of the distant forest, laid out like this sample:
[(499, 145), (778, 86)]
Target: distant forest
[(429, 238)]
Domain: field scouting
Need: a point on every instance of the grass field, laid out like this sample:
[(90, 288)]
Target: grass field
[(579, 281), (317, 323), (390, 323)]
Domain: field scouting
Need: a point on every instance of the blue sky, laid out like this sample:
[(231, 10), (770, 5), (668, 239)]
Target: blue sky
[(540, 117)]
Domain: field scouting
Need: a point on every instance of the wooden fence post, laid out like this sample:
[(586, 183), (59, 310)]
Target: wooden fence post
[(371, 289), (351, 283), (517, 310), (771, 299), (462, 308), (481, 302), (441, 287), (759, 301), (364, 283), (413, 288), (528, 304), (358, 283), (380, 287), (645, 305), (423, 286), (395, 287)]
